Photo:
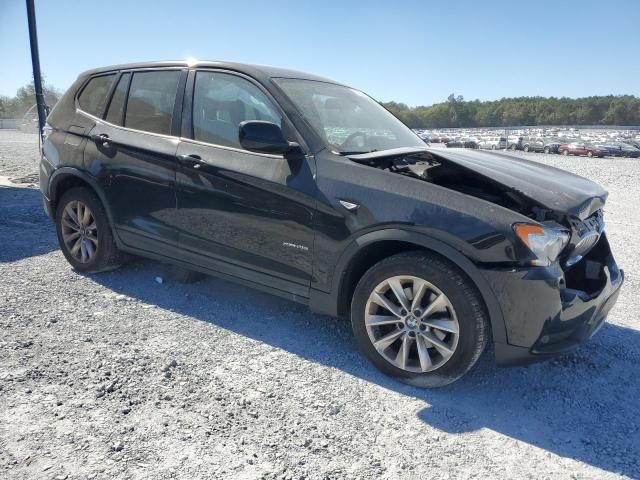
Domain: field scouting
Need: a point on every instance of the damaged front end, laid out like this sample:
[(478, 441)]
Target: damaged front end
[(554, 309), (565, 280)]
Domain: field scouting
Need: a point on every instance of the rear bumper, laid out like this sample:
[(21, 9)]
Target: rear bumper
[(548, 311)]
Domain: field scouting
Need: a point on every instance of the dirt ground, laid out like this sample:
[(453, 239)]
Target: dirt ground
[(117, 376)]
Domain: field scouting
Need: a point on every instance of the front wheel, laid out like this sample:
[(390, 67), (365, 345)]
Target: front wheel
[(418, 318), (565, 153), (546, 150), (589, 154)]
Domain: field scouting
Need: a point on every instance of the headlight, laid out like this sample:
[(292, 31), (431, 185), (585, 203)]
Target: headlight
[(544, 242)]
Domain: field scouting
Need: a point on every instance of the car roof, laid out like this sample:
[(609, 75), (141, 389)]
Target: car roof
[(257, 71)]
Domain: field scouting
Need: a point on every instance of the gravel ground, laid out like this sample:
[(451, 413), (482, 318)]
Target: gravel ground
[(118, 376)]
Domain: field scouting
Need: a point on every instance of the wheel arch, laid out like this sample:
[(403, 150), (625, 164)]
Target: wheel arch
[(65, 178), (372, 247)]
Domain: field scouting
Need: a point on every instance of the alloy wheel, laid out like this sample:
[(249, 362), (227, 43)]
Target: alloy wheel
[(79, 231), (412, 324)]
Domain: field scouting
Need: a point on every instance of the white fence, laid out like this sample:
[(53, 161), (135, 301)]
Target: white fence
[(9, 123)]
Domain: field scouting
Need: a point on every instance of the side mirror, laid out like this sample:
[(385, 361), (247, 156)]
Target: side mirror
[(265, 137)]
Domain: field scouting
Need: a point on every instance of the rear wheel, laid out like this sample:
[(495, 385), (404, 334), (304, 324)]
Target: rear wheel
[(545, 150), (513, 147), (565, 153), (526, 148), (418, 318), (589, 154), (84, 233)]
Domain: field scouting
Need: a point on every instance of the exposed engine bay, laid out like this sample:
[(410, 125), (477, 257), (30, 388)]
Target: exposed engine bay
[(439, 170), (429, 167)]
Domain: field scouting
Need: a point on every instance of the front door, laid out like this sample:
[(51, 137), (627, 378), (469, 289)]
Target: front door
[(242, 213)]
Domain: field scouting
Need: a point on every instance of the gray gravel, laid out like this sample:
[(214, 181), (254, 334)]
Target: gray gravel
[(120, 376)]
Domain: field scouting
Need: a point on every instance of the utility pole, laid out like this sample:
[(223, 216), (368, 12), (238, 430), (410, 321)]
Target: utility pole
[(35, 61)]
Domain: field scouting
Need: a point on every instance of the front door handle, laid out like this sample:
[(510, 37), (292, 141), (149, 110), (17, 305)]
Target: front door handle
[(191, 159)]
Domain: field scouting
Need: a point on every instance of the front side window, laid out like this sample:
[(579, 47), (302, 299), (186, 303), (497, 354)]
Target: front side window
[(346, 119), (221, 102), (94, 96), (152, 96)]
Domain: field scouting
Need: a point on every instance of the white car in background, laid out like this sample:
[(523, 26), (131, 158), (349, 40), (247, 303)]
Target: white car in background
[(493, 143)]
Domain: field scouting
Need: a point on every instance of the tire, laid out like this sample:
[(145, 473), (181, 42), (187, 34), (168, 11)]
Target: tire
[(513, 147), (589, 154), (105, 254), (546, 150), (526, 148), (565, 153), (462, 310)]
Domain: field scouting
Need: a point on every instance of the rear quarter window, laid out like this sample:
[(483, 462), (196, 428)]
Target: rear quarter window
[(93, 96)]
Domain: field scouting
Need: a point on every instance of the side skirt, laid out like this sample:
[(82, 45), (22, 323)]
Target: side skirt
[(246, 281)]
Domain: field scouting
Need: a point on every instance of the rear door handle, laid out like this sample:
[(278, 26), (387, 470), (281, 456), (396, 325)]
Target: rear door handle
[(192, 160)]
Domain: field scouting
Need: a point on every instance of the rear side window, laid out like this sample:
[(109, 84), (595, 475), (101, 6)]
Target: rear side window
[(93, 97), (152, 96), (221, 102), (116, 107)]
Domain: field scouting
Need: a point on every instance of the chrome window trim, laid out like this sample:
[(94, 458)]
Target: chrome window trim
[(233, 149), (93, 117)]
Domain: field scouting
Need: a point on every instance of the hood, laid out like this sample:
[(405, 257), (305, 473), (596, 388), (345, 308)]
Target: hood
[(549, 187)]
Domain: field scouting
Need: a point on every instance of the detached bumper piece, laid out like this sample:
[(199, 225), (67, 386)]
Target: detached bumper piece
[(548, 310)]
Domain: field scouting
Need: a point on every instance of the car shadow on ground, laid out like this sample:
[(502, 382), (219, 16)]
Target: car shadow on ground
[(582, 406), (22, 218)]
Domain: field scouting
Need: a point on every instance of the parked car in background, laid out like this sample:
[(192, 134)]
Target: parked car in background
[(581, 149), (493, 143), (540, 144), (463, 143), (629, 151), (515, 143), (612, 149)]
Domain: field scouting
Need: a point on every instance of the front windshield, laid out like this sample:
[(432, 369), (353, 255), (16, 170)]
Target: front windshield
[(347, 120)]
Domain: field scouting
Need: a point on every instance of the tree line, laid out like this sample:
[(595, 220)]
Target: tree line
[(509, 112), (25, 98)]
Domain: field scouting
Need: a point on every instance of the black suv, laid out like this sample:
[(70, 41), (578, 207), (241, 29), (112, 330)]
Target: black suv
[(309, 189)]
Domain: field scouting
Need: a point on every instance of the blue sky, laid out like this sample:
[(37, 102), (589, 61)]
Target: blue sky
[(415, 52)]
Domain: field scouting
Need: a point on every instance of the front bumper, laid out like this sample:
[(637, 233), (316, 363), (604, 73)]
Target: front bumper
[(551, 310)]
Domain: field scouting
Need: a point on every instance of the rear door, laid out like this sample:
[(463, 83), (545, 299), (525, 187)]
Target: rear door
[(132, 154), (242, 213)]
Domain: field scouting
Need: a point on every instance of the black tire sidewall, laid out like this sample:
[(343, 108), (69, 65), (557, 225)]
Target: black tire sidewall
[(104, 251), (455, 286)]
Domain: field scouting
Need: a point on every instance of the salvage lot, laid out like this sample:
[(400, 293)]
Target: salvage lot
[(118, 376)]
